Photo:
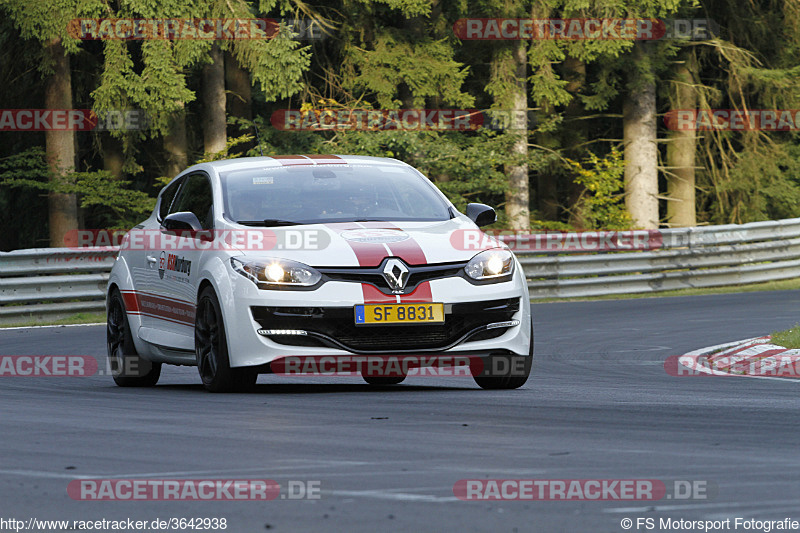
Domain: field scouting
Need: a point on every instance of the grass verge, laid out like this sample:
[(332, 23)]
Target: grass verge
[(78, 318), (782, 285), (789, 338)]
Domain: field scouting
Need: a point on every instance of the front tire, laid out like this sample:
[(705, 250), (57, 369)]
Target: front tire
[(128, 368), (504, 372), (211, 349)]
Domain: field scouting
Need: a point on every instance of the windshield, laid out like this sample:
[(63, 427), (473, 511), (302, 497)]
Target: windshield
[(307, 194)]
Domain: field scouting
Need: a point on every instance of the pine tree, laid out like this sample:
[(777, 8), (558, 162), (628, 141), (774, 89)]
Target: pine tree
[(46, 25)]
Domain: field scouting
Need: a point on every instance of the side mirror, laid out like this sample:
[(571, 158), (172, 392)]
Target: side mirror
[(481, 214), (181, 224)]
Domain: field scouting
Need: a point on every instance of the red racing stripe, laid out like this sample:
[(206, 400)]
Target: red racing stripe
[(314, 159), (371, 255), (291, 160), (367, 254), (130, 301), (374, 296), (421, 294), (171, 310), (326, 159), (408, 250)]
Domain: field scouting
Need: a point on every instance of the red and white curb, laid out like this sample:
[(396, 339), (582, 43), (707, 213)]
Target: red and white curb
[(756, 357)]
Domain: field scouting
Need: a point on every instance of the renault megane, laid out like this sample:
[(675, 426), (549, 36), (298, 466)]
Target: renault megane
[(247, 261)]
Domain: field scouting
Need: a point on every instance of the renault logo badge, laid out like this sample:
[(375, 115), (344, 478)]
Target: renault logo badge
[(396, 275)]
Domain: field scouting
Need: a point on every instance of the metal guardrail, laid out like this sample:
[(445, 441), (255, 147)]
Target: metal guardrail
[(55, 282), (709, 256)]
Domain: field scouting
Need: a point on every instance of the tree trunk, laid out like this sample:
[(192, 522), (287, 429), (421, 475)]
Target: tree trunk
[(681, 150), (547, 175), (547, 193), (239, 96), (113, 157), (575, 134), (641, 155), (214, 119), (60, 146), (518, 194), (237, 80), (176, 146)]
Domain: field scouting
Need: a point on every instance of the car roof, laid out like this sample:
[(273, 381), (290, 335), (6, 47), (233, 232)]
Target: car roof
[(243, 163)]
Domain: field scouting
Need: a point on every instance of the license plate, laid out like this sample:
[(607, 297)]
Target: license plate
[(418, 313)]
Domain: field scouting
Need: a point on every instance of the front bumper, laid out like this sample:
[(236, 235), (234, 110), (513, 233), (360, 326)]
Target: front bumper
[(326, 316), (333, 327)]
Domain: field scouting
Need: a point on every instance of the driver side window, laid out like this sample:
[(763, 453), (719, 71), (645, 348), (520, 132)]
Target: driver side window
[(196, 197), (166, 199)]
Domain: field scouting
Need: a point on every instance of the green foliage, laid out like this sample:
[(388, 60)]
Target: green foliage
[(402, 54), (231, 143), (45, 20), (601, 205), (425, 66), (23, 168), (100, 189), (748, 176), (154, 75), (276, 64), (763, 183), (160, 90), (409, 8), (117, 204)]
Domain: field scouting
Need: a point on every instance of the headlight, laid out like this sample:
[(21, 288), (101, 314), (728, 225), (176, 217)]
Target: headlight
[(491, 265), (276, 272)]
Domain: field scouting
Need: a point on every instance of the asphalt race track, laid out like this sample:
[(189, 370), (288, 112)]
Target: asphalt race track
[(599, 405)]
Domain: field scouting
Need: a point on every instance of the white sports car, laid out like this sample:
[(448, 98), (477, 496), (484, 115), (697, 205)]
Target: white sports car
[(248, 261)]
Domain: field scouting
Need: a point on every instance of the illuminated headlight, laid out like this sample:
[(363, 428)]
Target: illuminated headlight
[(491, 265), (281, 272)]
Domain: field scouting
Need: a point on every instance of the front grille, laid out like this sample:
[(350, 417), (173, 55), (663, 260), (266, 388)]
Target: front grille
[(374, 276), (335, 327)]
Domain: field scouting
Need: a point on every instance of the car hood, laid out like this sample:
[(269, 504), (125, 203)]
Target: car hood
[(366, 244)]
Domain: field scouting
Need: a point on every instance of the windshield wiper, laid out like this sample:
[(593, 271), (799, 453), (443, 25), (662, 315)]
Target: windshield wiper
[(269, 222)]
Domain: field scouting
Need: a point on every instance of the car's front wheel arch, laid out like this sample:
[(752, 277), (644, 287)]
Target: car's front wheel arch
[(128, 368), (204, 284), (212, 349)]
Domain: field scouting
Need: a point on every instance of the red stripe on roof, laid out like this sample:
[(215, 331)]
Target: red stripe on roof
[(312, 159), (290, 160), (326, 159)]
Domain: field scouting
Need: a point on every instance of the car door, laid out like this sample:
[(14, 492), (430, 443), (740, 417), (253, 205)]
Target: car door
[(143, 251), (172, 290)]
